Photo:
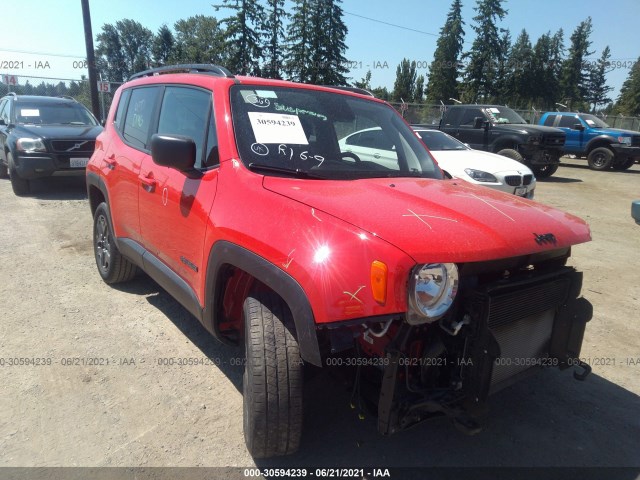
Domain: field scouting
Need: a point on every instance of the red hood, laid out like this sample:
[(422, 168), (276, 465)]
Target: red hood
[(439, 221)]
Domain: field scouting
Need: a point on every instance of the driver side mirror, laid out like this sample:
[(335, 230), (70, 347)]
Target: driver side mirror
[(578, 126), (173, 151)]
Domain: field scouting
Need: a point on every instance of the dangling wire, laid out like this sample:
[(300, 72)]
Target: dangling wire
[(356, 389)]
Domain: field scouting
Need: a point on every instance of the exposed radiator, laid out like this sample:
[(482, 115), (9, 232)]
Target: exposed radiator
[(522, 322)]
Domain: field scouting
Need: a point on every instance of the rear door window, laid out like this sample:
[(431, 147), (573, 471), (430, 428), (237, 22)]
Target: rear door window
[(140, 114), (118, 121)]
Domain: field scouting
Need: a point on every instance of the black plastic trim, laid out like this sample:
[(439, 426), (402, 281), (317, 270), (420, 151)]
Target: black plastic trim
[(132, 250), (95, 180), (185, 68), (227, 253), (171, 282)]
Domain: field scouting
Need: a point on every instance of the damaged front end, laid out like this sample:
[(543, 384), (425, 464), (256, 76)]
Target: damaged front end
[(504, 320)]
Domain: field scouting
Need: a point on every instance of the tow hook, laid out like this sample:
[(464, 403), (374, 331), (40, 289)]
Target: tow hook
[(586, 370)]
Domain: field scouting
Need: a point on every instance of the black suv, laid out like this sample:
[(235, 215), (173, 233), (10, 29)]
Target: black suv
[(43, 135)]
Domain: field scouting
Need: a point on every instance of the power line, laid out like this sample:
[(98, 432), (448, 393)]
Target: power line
[(41, 53), (392, 24)]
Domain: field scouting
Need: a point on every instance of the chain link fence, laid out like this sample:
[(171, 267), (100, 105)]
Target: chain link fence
[(59, 87)]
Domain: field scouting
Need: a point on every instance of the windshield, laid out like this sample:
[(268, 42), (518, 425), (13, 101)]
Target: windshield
[(503, 115), (63, 113), (315, 134), (593, 121), (440, 141)]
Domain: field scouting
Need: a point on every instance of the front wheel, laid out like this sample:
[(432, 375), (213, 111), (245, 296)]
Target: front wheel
[(512, 154), (272, 381), (21, 186), (544, 171), (112, 266), (600, 158)]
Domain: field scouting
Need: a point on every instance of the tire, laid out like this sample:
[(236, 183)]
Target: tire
[(512, 154), (624, 165), (112, 266), (21, 186), (600, 158), (544, 171), (272, 380)]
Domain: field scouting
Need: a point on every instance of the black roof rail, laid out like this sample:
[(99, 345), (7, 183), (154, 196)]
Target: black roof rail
[(68, 97), (361, 91), (185, 68)]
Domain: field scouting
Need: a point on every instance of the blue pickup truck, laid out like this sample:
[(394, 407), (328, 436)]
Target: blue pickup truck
[(591, 138)]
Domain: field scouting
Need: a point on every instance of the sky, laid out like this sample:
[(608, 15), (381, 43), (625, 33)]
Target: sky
[(45, 38)]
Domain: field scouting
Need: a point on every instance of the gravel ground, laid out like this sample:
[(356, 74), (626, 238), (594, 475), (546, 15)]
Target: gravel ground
[(119, 405)]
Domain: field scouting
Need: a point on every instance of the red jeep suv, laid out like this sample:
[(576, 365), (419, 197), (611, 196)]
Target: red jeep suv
[(234, 195)]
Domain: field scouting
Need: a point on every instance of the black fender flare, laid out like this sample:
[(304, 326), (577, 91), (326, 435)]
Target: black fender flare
[(95, 180), (506, 141), (226, 253), (600, 141)]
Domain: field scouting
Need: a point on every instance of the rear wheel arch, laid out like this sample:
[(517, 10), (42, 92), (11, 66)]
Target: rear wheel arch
[(224, 259)]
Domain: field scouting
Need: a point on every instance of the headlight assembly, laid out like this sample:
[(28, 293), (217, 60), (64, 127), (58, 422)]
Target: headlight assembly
[(30, 145), (432, 290), (480, 176)]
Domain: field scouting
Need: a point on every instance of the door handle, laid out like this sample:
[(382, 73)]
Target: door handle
[(376, 155), (148, 182), (111, 161)]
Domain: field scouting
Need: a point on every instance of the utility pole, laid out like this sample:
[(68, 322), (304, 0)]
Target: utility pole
[(91, 59)]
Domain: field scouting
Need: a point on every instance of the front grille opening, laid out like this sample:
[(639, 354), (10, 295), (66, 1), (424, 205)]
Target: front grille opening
[(513, 180), (73, 146)]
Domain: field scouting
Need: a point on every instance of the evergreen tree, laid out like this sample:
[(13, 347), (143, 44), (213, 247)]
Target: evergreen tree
[(299, 41), (418, 94), (199, 39), (244, 32), (381, 93), (163, 44), (365, 82), (334, 46), (405, 85), (546, 67), (519, 80), (575, 70), (486, 52), (316, 38), (444, 70), (500, 85), (598, 88), (629, 100), (274, 34)]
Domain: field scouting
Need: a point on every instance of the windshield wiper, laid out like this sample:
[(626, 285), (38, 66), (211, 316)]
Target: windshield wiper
[(298, 173)]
